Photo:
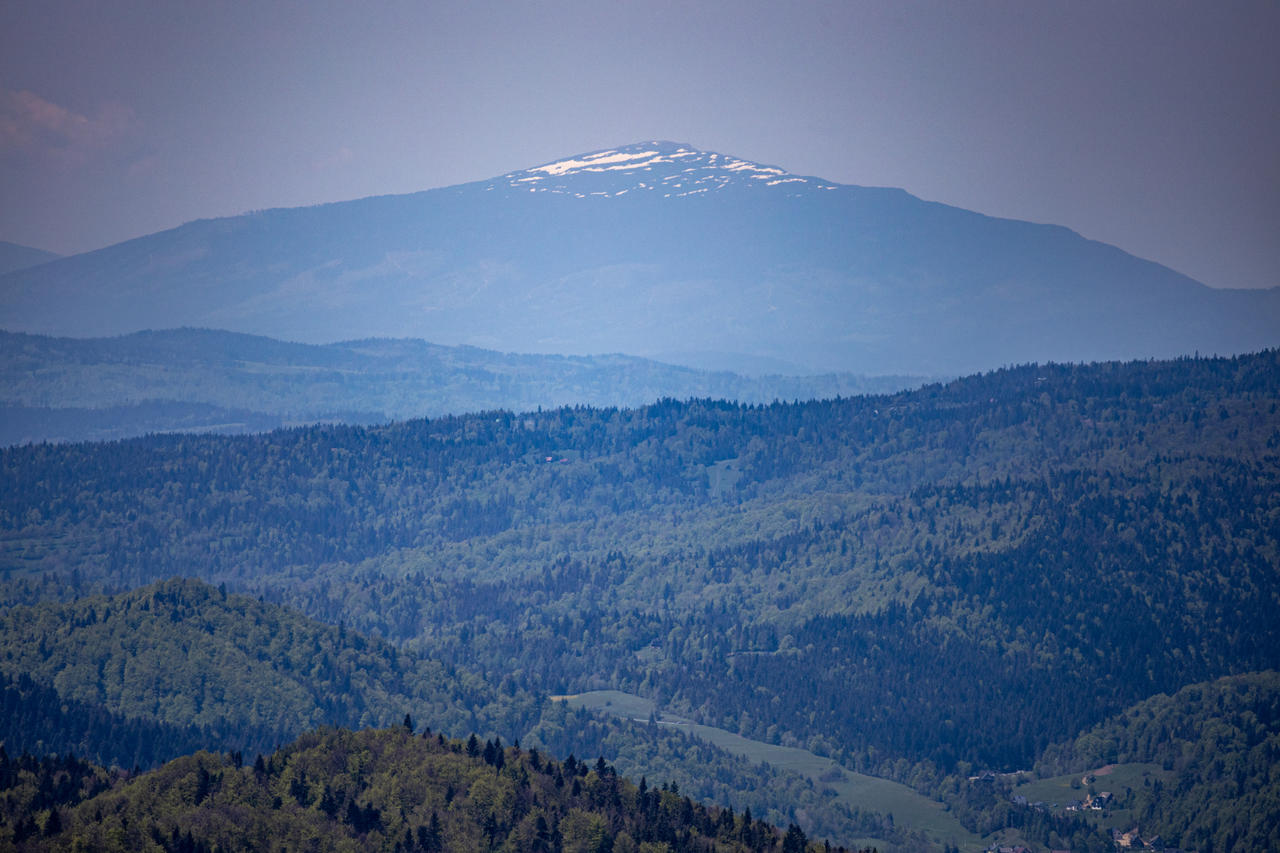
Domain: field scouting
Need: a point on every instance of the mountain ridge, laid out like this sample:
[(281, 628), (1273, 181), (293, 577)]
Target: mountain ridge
[(14, 256), (390, 790), (60, 389), (845, 278)]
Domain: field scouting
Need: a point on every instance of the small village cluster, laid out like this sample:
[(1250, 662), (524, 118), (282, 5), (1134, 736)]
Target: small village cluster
[(1130, 840), (1102, 801)]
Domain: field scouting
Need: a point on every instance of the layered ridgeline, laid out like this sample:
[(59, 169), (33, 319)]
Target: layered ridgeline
[(16, 257), (923, 585), (657, 250), (151, 674), (37, 720), (58, 389)]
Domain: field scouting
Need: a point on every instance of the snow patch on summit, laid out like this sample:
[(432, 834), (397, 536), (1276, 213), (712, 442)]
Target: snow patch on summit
[(663, 165), (600, 161)]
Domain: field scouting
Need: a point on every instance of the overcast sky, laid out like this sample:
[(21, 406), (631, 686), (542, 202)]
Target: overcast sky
[(1152, 125)]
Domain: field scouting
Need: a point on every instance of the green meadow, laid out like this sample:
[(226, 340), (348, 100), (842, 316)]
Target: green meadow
[(909, 809)]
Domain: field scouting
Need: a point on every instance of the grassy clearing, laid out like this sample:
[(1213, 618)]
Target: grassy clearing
[(1060, 790), (1057, 791), (626, 705), (909, 809)]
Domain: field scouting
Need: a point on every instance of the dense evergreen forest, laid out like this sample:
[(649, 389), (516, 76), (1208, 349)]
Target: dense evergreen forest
[(185, 653), (924, 585), (1222, 741), (132, 670), (36, 719), (385, 790)]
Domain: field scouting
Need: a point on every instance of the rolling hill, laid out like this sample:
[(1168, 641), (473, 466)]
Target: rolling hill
[(1037, 529), (150, 674), (59, 389), (16, 257), (928, 586), (252, 674), (392, 791), (1211, 748)]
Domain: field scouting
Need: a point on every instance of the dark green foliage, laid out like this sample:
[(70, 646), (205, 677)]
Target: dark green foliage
[(1113, 590), (920, 585), (710, 775), (34, 792), (35, 719), (1222, 741), (217, 657), (388, 790), (254, 674)]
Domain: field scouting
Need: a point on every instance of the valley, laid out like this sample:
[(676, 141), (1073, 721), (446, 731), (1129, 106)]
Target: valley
[(856, 790), (927, 587), (578, 427)]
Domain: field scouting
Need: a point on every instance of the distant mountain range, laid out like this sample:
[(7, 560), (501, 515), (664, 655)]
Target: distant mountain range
[(657, 250), (69, 389), (15, 257)]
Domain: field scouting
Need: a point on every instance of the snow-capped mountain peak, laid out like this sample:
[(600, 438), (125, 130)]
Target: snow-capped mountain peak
[(670, 168)]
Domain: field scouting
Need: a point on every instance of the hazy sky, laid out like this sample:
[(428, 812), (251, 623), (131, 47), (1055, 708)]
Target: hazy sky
[(1153, 125)]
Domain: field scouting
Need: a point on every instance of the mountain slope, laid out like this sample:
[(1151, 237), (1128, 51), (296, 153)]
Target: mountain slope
[(1217, 741), (184, 653), (389, 790), (194, 379), (919, 585), (16, 257), (35, 719), (654, 249), (122, 679), (1034, 535)]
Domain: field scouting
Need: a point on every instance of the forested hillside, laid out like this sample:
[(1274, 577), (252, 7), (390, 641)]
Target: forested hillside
[(1220, 739), (253, 675), (389, 790), (36, 719), (923, 585), (145, 676)]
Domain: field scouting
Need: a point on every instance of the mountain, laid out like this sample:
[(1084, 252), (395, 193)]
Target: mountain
[(657, 250), (35, 719), (16, 257), (57, 389)]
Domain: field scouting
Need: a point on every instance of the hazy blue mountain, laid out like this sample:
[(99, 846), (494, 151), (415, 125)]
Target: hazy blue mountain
[(654, 248), (70, 389), (28, 424), (16, 257)]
